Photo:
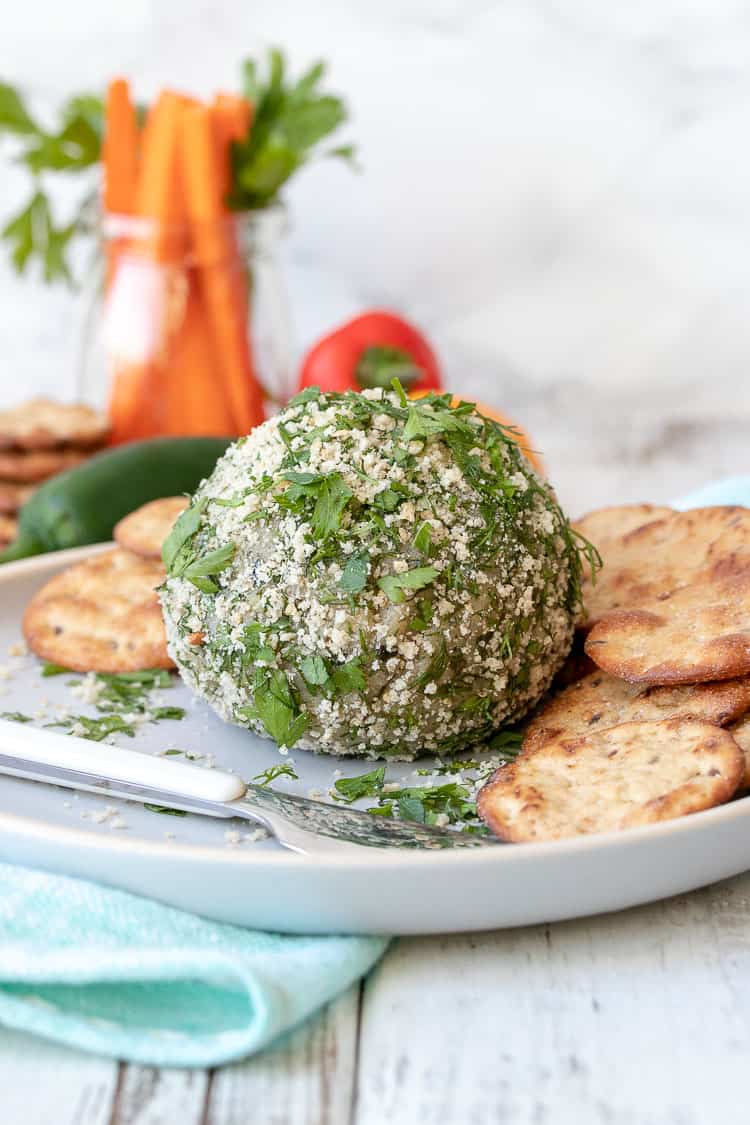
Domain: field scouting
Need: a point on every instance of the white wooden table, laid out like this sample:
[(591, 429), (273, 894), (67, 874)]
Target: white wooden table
[(640, 1018)]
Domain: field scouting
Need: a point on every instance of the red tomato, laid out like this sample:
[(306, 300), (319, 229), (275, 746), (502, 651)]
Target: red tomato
[(370, 351)]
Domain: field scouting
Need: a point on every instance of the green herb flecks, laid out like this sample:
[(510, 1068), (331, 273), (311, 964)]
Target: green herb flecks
[(202, 571), (333, 679), (50, 669), (423, 617), (507, 743), (394, 585), (314, 671), (320, 498), (164, 810), (183, 530), (15, 716), (123, 700), (333, 497), (354, 575), (441, 805), (309, 394), (346, 678), (275, 706), (438, 663), (96, 730), (351, 789), (180, 558), (423, 538), (283, 769)]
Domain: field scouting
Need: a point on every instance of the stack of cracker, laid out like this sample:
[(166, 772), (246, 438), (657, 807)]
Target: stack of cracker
[(654, 720), (38, 439), (103, 614)]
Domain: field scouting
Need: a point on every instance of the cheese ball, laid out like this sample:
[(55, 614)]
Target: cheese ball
[(371, 576)]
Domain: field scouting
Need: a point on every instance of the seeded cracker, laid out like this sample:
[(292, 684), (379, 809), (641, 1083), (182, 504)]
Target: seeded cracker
[(43, 424), (8, 529), (143, 532), (741, 734), (681, 594), (101, 615), (31, 468), (599, 701), (629, 775), (606, 528), (13, 497), (372, 576)]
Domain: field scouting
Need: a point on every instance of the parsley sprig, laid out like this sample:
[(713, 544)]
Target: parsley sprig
[(181, 559)]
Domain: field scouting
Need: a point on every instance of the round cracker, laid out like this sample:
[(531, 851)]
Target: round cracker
[(679, 600), (8, 528), (144, 530), (44, 424), (13, 497), (629, 775), (740, 732), (599, 701), (604, 524), (606, 528), (31, 468), (101, 615)]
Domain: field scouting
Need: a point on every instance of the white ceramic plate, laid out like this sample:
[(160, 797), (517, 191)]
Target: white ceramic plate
[(368, 891)]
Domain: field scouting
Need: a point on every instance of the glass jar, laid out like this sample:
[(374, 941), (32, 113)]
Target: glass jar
[(139, 294)]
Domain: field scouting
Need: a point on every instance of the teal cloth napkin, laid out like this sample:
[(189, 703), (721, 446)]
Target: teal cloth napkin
[(732, 490), (113, 973), (120, 975)]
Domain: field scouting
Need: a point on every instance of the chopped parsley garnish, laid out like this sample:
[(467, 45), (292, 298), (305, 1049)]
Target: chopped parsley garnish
[(50, 669), (423, 538), (314, 671), (389, 499), (393, 585), (438, 663), (328, 492), (180, 558), (164, 810), (347, 677), (423, 617), (15, 716), (201, 572), (333, 679), (354, 575), (506, 742), (96, 730), (185, 527), (283, 769), (122, 699), (333, 497), (351, 789), (276, 707), (309, 394)]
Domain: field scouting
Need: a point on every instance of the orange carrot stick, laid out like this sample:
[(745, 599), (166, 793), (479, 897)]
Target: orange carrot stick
[(120, 150), (232, 116), (195, 402), (137, 405), (218, 266), (120, 166)]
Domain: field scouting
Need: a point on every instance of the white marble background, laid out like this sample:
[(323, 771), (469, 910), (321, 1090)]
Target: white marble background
[(559, 192)]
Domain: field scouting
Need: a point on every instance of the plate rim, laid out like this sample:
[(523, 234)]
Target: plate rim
[(616, 839)]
